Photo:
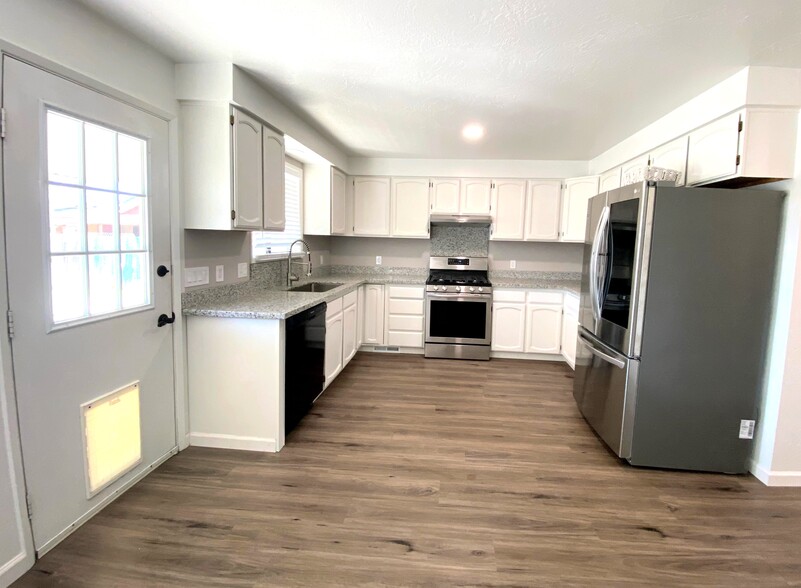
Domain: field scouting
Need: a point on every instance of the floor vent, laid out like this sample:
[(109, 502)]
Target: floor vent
[(387, 348)]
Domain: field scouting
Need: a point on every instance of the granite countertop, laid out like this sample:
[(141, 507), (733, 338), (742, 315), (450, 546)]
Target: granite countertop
[(256, 301), (570, 286)]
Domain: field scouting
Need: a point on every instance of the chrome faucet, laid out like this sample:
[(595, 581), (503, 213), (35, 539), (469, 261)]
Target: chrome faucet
[(290, 277)]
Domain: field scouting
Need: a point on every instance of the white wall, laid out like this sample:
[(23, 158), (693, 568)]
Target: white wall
[(539, 257), (482, 168)]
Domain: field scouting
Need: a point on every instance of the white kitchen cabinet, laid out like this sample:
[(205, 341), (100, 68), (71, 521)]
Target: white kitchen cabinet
[(633, 165), (371, 206), (543, 327), (576, 194), (476, 196), (543, 205), (233, 157), (410, 207), (338, 193), (609, 180), (713, 150), (359, 317), (445, 195), (373, 315), (273, 174), (247, 210), (508, 210), (570, 328), (349, 327), (405, 317), (333, 340), (672, 155), (509, 320)]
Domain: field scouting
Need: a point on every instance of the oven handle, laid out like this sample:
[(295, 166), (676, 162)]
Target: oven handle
[(456, 295)]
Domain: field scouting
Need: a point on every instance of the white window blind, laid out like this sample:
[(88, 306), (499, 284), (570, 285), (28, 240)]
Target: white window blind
[(277, 242)]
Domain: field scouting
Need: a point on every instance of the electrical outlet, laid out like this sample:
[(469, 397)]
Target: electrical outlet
[(378, 260), (242, 270), (219, 273), (512, 264), (196, 276)]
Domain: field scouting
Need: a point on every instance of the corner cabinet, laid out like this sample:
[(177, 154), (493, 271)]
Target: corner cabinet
[(371, 206), (237, 169), (576, 195)]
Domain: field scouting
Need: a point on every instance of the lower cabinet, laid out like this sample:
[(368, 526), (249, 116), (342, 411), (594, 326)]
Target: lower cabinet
[(333, 340), (544, 323), (509, 321), (349, 326), (570, 329), (405, 316), (373, 315)]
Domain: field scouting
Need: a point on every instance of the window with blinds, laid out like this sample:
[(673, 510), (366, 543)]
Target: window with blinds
[(275, 242)]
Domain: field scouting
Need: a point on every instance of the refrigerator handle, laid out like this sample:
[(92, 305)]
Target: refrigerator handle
[(596, 246), (605, 356)]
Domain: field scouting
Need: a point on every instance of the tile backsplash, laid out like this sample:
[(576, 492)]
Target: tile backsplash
[(467, 240)]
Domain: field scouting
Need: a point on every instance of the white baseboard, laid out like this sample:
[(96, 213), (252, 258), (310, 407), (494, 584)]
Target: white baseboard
[(232, 442), (528, 356), (103, 504), (775, 478)]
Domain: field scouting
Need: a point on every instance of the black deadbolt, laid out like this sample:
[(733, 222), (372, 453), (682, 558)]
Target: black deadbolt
[(162, 271)]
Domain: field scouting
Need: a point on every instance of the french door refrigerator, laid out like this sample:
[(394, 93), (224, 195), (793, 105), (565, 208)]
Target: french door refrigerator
[(676, 294)]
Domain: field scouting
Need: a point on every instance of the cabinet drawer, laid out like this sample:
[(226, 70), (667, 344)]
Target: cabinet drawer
[(571, 304), (415, 292), (405, 306), (350, 299), (544, 297), (334, 307), (405, 339), (405, 322), (509, 296)]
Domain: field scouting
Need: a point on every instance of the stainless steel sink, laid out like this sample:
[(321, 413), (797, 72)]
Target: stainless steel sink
[(315, 287)]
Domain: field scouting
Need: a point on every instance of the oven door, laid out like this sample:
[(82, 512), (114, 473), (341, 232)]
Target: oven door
[(458, 318)]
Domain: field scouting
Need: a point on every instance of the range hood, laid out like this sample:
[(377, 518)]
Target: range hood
[(460, 219)]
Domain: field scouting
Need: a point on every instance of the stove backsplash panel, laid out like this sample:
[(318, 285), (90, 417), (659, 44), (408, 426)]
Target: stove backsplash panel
[(460, 240)]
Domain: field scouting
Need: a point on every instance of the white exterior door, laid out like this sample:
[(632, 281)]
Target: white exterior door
[(371, 206), (543, 205), (445, 194), (87, 223), (248, 201), (508, 210), (410, 207)]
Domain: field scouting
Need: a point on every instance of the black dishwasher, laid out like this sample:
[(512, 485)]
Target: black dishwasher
[(304, 366)]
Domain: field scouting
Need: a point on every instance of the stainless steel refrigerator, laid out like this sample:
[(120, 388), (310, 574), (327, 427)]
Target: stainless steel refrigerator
[(676, 293)]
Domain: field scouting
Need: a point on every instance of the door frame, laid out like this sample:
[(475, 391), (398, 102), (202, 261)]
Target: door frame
[(8, 405)]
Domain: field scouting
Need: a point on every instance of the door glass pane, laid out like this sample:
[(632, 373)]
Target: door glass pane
[(132, 165), (64, 149), (622, 238), (66, 226), (466, 320), (68, 287), (104, 283), (135, 283), (101, 221), (133, 212), (101, 157)]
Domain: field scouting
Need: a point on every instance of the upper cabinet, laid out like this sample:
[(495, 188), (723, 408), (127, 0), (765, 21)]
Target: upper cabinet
[(609, 180), (325, 201), (576, 195), (410, 207), (371, 206), (445, 195), (714, 150), (234, 160), (672, 155), (508, 210), (543, 208), (338, 209), (476, 196), (633, 165)]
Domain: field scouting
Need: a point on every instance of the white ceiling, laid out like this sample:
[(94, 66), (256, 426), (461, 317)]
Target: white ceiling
[(550, 79)]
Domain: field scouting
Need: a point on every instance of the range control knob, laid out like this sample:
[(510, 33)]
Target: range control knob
[(480, 289), (458, 288), (472, 289), (444, 288)]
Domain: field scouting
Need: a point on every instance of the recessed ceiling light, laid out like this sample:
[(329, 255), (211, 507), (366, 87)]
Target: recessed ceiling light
[(473, 132)]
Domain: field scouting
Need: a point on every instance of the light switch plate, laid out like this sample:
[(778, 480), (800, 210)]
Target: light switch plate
[(512, 264), (378, 260), (196, 276), (220, 273), (322, 259), (242, 270)]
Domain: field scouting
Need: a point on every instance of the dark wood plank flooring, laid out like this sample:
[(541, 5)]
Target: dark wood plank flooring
[(413, 472)]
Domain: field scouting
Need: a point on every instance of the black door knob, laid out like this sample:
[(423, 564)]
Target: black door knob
[(165, 320), (162, 271)]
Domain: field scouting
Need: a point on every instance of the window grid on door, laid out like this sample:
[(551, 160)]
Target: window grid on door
[(99, 250)]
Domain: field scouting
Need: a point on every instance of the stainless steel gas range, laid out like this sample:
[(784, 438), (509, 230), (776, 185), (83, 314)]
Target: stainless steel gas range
[(458, 308)]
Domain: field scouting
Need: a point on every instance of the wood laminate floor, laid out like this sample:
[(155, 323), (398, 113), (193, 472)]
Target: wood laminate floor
[(413, 472)]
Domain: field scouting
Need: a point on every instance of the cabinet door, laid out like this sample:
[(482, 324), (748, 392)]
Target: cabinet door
[(476, 196), (338, 183), (348, 334), (508, 326), (713, 150), (247, 198), (609, 180), (373, 314), (410, 207), (543, 205), (543, 328), (569, 338), (672, 155), (273, 180), (333, 347), (371, 206), (577, 194), (445, 195), (631, 166), (359, 317), (508, 210)]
